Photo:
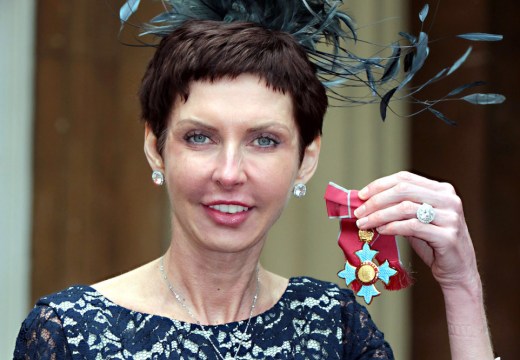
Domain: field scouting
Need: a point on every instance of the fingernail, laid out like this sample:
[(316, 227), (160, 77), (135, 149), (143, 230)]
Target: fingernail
[(363, 193), (361, 222), (360, 211)]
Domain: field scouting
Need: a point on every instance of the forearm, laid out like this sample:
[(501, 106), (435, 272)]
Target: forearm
[(467, 325)]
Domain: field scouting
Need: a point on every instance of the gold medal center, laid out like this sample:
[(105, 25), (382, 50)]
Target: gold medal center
[(366, 273), (366, 235)]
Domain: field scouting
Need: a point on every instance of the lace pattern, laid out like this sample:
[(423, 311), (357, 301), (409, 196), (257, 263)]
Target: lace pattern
[(312, 320), (41, 335)]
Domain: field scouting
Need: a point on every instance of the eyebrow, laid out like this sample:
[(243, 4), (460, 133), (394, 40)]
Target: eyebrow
[(262, 127), (267, 126), (196, 123)]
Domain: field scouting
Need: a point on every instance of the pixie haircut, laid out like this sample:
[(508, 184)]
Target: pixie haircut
[(209, 51)]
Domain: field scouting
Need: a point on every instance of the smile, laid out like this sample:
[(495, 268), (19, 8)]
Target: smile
[(229, 209)]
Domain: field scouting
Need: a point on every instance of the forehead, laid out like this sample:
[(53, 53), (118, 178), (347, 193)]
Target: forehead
[(246, 98)]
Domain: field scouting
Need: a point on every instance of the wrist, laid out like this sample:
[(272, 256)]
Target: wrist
[(467, 324), (468, 330), (465, 308), (468, 287)]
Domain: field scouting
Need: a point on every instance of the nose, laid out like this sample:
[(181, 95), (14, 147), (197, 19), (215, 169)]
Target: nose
[(229, 170)]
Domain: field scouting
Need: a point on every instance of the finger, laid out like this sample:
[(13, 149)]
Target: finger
[(434, 235), (390, 181), (403, 211), (407, 192), (422, 249)]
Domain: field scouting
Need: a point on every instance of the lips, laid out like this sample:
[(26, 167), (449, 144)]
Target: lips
[(228, 213)]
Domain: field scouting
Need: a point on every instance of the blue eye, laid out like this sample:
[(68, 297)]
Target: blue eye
[(197, 139), (265, 141)]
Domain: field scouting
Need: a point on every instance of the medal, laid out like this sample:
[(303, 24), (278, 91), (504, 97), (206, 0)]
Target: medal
[(369, 255), (367, 272)]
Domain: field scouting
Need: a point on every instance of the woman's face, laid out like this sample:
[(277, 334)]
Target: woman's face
[(230, 162)]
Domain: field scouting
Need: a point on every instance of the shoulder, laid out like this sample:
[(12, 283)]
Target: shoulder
[(74, 299), (48, 309), (84, 312), (70, 294), (41, 336), (84, 321), (78, 305), (134, 290), (42, 333)]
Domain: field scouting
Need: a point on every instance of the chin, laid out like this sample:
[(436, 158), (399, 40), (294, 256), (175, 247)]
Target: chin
[(226, 242)]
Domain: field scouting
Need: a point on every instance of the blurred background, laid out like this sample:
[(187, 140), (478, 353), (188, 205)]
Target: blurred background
[(77, 204)]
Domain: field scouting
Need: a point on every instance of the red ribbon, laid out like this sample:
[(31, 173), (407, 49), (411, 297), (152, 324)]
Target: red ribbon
[(341, 204)]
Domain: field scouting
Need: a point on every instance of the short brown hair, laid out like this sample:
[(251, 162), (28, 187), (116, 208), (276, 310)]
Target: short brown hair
[(211, 50)]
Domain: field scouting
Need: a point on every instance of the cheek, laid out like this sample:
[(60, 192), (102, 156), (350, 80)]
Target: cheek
[(186, 178), (274, 176)]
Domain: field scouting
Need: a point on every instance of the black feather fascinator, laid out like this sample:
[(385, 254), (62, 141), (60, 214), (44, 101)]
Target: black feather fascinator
[(329, 35)]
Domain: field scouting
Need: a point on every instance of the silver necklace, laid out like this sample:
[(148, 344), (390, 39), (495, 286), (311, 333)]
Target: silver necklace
[(182, 302)]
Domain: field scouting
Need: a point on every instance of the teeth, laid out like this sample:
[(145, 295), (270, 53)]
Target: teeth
[(230, 209)]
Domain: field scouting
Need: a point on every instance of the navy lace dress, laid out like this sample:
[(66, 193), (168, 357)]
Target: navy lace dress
[(312, 320)]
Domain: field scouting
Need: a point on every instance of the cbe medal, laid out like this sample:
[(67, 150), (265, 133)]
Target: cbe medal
[(369, 256), (367, 272)]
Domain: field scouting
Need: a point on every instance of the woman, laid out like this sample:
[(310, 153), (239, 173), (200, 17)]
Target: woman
[(233, 115)]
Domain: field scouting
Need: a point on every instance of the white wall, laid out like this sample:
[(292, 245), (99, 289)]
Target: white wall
[(17, 24)]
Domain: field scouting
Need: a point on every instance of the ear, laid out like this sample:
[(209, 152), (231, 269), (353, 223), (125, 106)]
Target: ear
[(310, 161), (150, 149)]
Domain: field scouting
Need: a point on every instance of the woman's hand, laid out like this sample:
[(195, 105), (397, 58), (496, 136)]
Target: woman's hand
[(444, 244)]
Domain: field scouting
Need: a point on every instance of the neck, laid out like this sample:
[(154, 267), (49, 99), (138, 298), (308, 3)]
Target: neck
[(216, 288)]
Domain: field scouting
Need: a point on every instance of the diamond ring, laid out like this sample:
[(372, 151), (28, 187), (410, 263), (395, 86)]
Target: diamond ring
[(425, 213)]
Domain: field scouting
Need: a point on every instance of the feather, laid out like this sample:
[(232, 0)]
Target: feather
[(461, 88), (347, 20), (370, 79), (481, 37), (408, 60), (484, 99), (442, 116), (411, 39), (384, 103), (421, 53), (392, 66), (460, 61), (128, 9), (314, 23), (424, 12)]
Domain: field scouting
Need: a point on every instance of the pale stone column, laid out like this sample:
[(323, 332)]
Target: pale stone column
[(16, 118)]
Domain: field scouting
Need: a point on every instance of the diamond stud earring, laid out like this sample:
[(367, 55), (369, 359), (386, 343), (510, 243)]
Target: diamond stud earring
[(299, 190), (158, 178)]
